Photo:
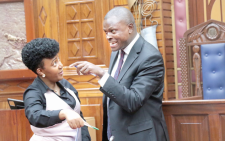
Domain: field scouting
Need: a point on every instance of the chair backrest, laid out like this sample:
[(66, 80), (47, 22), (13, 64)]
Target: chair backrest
[(210, 32), (213, 70)]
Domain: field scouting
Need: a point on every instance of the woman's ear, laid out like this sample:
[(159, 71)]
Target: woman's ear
[(39, 71)]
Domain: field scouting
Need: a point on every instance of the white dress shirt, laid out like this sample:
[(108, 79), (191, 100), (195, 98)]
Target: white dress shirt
[(127, 51)]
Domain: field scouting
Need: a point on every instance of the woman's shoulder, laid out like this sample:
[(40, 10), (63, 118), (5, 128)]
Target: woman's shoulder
[(33, 88)]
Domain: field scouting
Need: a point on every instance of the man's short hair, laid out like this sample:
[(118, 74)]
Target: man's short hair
[(123, 14), (36, 50)]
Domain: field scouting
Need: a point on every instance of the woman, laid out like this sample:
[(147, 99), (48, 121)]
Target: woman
[(51, 103)]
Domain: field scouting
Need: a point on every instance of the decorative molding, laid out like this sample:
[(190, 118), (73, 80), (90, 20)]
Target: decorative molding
[(184, 67), (197, 68), (209, 31)]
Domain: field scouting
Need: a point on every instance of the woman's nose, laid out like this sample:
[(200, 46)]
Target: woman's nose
[(60, 64)]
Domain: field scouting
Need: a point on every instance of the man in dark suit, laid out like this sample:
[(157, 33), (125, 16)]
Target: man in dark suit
[(133, 86)]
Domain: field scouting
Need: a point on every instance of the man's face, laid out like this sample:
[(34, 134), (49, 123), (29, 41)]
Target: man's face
[(117, 33)]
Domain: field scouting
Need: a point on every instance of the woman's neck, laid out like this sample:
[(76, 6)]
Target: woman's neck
[(51, 85)]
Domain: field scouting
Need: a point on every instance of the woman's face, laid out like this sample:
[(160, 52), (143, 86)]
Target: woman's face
[(53, 69)]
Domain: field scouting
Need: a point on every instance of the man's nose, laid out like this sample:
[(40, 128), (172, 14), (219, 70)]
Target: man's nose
[(108, 36)]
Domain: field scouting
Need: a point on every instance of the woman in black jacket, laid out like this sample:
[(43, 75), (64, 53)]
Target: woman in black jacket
[(52, 105)]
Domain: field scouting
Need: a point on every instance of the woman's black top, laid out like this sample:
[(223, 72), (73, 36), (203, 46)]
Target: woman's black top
[(35, 104)]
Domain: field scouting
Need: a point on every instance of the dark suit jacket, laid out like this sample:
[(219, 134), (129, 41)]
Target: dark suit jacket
[(135, 108)]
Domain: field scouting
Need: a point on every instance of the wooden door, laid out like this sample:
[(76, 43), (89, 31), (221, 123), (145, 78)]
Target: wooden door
[(81, 34)]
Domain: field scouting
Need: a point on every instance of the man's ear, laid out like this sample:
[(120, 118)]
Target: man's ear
[(131, 28)]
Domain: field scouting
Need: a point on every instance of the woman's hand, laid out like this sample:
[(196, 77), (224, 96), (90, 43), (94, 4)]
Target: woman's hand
[(73, 119)]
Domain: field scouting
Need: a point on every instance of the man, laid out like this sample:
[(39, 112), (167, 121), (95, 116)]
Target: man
[(133, 86)]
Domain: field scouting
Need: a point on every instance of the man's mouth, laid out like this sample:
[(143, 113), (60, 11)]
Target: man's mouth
[(113, 44)]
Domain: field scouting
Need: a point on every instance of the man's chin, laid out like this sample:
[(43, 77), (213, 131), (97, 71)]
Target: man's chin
[(115, 48)]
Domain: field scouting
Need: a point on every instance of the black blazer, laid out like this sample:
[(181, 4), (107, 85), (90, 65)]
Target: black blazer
[(135, 108)]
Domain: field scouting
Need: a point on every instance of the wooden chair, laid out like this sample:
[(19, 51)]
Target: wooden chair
[(210, 32)]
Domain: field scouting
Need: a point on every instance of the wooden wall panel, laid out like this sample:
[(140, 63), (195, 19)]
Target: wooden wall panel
[(23, 126), (94, 110), (29, 18), (222, 126), (195, 120), (196, 12), (14, 126), (120, 3), (13, 83), (168, 48), (191, 127), (9, 126)]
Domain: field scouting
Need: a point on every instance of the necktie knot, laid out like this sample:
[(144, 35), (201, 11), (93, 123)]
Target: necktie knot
[(122, 54)]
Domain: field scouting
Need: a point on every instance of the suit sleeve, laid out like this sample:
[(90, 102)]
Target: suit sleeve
[(147, 78)]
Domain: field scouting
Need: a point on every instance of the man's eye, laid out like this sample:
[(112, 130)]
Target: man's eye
[(113, 31)]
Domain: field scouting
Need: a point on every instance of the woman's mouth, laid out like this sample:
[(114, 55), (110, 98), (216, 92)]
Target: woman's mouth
[(61, 73)]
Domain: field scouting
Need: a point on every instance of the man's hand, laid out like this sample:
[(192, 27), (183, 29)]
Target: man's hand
[(73, 119), (86, 68)]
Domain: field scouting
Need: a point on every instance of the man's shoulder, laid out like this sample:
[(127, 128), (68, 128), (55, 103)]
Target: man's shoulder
[(149, 50)]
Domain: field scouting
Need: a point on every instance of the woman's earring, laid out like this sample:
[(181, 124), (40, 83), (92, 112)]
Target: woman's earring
[(43, 75)]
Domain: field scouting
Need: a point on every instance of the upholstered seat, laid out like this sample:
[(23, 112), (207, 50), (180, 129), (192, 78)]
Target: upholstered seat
[(213, 70)]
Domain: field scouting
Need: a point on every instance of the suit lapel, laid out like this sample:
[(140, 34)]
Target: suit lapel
[(112, 60), (131, 57)]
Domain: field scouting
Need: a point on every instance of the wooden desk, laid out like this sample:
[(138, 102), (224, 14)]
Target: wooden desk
[(14, 126), (195, 120)]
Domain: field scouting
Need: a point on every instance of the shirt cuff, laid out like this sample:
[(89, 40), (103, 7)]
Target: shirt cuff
[(54, 119), (103, 79)]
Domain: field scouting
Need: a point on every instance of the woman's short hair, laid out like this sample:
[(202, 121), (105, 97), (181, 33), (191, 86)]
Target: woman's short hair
[(36, 50)]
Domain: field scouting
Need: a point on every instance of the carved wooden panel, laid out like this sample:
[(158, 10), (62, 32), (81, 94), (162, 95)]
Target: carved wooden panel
[(197, 68), (191, 128), (207, 33), (81, 33), (83, 81), (43, 19)]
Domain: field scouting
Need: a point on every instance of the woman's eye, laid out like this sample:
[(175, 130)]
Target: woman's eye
[(55, 63)]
